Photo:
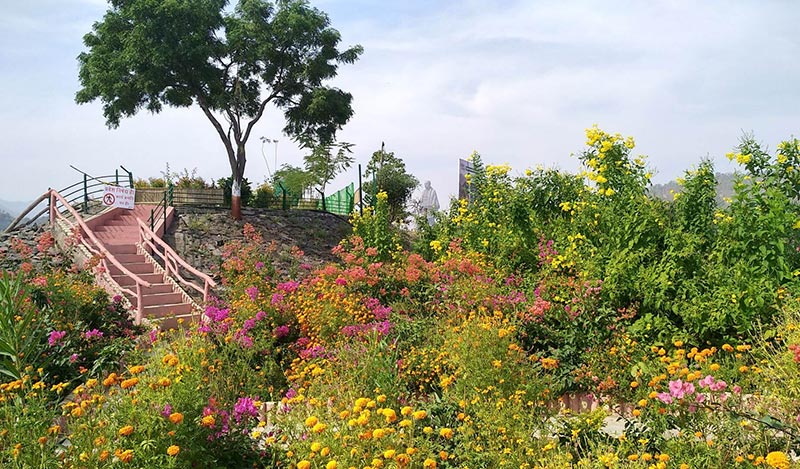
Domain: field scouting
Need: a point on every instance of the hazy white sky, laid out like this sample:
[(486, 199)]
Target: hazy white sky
[(517, 81)]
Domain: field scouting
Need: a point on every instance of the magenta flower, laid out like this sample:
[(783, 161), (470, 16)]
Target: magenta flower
[(93, 334), (664, 397), (55, 337)]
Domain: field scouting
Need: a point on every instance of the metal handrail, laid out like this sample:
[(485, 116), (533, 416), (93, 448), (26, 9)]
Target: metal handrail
[(171, 260), (98, 248)]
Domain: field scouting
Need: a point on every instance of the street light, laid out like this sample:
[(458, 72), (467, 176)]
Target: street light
[(265, 140)]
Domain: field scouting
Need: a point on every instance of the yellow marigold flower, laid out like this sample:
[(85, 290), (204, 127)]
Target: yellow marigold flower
[(126, 430), (319, 427), (208, 421), (778, 459), (173, 450), (176, 417), (419, 414), (332, 464), (135, 370), (124, 456), (315, 447), (429, 463), (325, 452), (389, 454), (304, 464), (406, 411), (390, 415), (311, 421), (405, 423), (446, 433)]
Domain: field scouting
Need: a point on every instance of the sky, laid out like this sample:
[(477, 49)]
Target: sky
[(517, 81)]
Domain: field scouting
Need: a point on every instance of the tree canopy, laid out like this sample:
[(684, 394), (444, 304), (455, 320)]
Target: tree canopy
[(387, 173), (232, 63)]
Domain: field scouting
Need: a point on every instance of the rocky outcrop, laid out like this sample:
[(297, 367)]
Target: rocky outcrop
[(198, 234)]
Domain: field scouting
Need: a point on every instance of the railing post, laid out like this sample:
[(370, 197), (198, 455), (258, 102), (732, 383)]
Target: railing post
[(116, 177), (139, 305), (152, 223), (52, 204), (283, 194), (360, 193), (85, 193), (171, 192)]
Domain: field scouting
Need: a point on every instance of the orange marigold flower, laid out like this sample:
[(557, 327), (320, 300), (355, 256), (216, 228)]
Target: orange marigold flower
[(129, 383), (135, 370), (110, 380), (176, 417), (173, 450), (126, 430), (208, 421)]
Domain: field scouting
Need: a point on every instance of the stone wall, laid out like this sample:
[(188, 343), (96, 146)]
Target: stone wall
[(198, 234)]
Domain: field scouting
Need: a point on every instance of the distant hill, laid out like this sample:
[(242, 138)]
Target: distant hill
[(5, 219), (12, 207), (724, 188)]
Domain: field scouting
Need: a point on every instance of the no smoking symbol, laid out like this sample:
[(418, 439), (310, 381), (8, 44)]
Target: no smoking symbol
[(109, 199)]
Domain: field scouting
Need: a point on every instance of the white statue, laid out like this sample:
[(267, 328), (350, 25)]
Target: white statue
[(429, 202)]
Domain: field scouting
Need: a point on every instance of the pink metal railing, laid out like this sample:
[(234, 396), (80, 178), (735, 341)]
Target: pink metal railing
[(173, 262), (97, 248)]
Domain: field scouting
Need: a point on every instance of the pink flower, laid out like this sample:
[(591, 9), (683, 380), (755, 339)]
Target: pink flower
[(664, 397), (676, 389), (706, 382)]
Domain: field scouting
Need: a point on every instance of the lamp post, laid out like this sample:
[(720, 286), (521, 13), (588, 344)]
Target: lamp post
[(265, 140)]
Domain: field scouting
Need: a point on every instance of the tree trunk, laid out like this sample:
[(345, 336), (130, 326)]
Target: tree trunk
[(236, 197)]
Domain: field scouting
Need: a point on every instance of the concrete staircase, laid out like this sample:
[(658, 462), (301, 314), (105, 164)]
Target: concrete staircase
[(163, 300)]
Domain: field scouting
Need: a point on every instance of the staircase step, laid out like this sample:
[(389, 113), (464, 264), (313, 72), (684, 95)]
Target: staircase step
[(129, 258), (155, 299), (160, 311), (158, 288), (135, 267), (128, 222), (126, 282), (173, 322), (116, 229), (119, 248)]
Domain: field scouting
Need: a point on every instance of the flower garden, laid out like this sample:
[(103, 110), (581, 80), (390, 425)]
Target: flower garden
[(675, 324)]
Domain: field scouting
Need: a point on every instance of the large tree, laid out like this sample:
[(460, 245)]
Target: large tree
[(232, 63)]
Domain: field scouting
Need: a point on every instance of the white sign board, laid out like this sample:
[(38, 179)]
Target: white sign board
[(122, 197)]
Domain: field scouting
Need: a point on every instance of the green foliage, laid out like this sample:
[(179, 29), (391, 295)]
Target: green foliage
[(230, 61), (323, 164), (375, 227), (294, 180), (227, 183), (386, 172), (264, 196), (21, 328)]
